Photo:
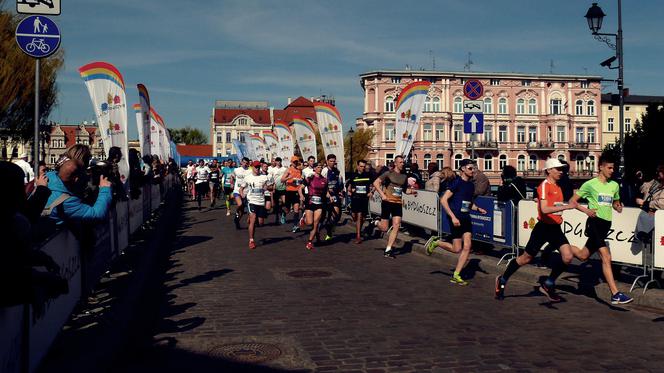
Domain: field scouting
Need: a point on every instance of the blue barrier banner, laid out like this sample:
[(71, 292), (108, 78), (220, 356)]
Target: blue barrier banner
[(495, 227)]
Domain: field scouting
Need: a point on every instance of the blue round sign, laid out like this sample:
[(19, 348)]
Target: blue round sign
[(38, 36)]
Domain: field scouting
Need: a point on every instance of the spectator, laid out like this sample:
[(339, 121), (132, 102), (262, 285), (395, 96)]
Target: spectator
[(22, 162), (146, 167), (80, 152), (416, 174), (65, 203), (136, 179), (447, 175), (564, 183), (630, 189), (481, 182), (117, 184), (653, 193), (157, 170), (433, 184), (513, 187)]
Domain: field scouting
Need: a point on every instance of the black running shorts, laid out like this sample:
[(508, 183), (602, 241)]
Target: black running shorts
[(390, 209), (359, 205), (259, 210), (597, 230), (292, 198), (545, 233), (465, 227)]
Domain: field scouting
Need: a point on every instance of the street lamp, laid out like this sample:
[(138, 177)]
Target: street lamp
[(351, 133), (594, 16)]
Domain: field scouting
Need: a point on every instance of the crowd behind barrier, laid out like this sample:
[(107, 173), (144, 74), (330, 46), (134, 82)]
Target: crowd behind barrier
[(28, 330)]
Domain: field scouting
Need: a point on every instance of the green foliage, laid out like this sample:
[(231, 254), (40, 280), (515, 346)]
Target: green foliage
[(642, 144), (17, 82), (361, 142), (188, 136)]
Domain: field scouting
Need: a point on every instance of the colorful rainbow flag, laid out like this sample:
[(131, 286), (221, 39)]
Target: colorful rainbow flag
[(412, 89), (102, 70)]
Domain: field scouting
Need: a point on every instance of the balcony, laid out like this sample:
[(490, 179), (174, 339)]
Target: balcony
[(541, 146), (582, 174), (534, 174), (482, 145)]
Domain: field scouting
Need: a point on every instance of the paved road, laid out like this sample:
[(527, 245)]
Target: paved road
[(222, 304)]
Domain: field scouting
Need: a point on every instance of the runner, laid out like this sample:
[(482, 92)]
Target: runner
[(270, 183), (359, 192), (603, 197), (547, 231), (254, 185), (191, 178), (279, 195), (237, 180), (214, 182), (227, 172), (309, 169), (293, 179), (457, 201), (335, 184), (202, 187), (395, 182), (315, 201)]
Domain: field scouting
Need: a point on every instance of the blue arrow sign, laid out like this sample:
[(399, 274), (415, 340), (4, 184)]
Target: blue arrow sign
[(38, 36), (473, 123)]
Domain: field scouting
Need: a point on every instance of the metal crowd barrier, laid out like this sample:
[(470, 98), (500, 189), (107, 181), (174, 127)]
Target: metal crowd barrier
[(28, 333)]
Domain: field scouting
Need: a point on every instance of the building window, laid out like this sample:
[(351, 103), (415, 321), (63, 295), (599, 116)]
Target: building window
[(427, 160), (219, 137), (427, 132), (439, 161), (532, 162), (560, 134), (389, 104), (242, 137), (585, 85), (389, 157), (556, 106), (578, 107), (458, 105), (436, 104), (521, 162), (591, 163), (521, 134), (53, 158), (526, 83), (488, 132), (396, 80), (520, 106), (591, 135), (228, 136), (502, 105), (389, 132), (502, 133), (427, 104), (242, 122), (440, 132), (502, 161), (579, 162), (591, 108), (488, 106), (579, 135), (532, 106), (610, 125), (458, 133), (532, 134), (457, 161), (488, 162), (628, 124), (495, 81)]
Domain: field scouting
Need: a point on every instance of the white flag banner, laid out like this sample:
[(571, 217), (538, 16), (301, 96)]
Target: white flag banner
[(245, 138), (155, 124), (258, 145), (285, 149), (271, 144), (305, 134), (107, 92), (164, 143), (331, 133), (408, 113), (144, 124)]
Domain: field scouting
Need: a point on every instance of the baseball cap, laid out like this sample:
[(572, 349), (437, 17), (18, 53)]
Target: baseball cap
[(553, 163), (256, 163), (295, 158), (465, 162)]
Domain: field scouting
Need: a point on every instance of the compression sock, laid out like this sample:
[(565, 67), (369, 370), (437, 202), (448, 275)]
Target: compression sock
[(511, 268)]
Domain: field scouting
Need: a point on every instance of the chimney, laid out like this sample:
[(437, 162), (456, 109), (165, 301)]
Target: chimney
[(290, 100)]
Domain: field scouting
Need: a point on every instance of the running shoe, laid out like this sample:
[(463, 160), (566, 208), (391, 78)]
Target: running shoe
[(228, 213), (301, 224), (328, 237), (456, 279), (252, 245), (358, 240), (295, 229), (550, 293), (310, 245), (431, 244), (389, 254), (620, 298), (500, 288), (282, 219), (236, 220)]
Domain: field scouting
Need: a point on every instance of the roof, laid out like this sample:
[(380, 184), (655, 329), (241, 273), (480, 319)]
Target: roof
[(195, 150), (71, 132), (299, 107), (259, 116), (476, 74), (612, 98)]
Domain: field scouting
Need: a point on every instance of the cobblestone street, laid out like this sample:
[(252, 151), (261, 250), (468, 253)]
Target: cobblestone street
[(343, 307)]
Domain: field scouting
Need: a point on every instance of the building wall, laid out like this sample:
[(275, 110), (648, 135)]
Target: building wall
[(442, 146), (610, 120)]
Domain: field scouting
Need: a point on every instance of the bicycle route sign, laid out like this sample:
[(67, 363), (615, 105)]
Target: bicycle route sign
[(38, 36)]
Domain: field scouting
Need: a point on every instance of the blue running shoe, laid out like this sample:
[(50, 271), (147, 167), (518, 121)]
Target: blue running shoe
[(620, 298)]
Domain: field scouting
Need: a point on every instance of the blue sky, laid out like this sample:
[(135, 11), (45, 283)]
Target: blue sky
[(189, 53)]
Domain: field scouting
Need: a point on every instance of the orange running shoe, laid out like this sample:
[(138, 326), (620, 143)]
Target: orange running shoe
[(252, 245), (310, 245)]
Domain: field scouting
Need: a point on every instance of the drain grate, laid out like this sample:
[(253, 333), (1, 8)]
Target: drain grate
[(247, 352), (309, 274)]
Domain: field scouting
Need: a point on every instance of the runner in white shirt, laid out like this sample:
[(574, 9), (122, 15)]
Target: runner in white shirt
[(191, 170), (309, 170), (268, 193), (202, 188), (237, 178), (254, 186), (279, 195)]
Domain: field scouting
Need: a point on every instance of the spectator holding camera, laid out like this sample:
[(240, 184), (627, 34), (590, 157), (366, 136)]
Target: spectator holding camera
[(653, 193)]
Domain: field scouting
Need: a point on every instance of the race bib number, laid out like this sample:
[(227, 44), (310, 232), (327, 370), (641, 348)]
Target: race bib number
[(297, 182), (316, 200), (256, 191), (465, 206), (267, 193), (397, 191), (361, 189), (605, 200)]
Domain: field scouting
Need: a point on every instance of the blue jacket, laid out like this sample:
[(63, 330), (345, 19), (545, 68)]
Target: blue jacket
[(73, 207)]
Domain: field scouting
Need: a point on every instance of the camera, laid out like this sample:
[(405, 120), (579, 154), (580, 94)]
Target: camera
[(98, 169)]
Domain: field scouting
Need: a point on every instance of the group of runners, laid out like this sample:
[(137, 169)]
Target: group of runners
[(311, 194)]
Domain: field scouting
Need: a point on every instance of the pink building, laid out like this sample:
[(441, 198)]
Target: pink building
[(527, 119)]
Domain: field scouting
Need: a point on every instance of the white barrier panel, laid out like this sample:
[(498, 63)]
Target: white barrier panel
[(658, 239), (625, 248), (135, 214), (374, 203), (64, 250), (156, 197), (421, 210), (122, 225), (11, 338)]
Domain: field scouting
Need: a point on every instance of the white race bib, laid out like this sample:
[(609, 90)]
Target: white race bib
[(361, 189), (397, 191), (604, 199), (465, 206), (316, 200), (256, 191)]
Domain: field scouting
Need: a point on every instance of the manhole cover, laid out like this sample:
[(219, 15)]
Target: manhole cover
[(309, 274), (247, 352)]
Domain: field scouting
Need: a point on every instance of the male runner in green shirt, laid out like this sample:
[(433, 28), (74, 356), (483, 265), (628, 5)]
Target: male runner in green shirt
[(603, 197)]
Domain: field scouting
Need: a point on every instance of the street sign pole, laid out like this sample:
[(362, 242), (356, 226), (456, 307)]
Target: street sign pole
[(36, 143), (472, 146)]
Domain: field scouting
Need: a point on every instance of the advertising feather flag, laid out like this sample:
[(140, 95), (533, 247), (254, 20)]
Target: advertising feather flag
[(331, 132), (305, 136), (271, 144), (408, 113), (258, 145), (143, 119), (285, 149)]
